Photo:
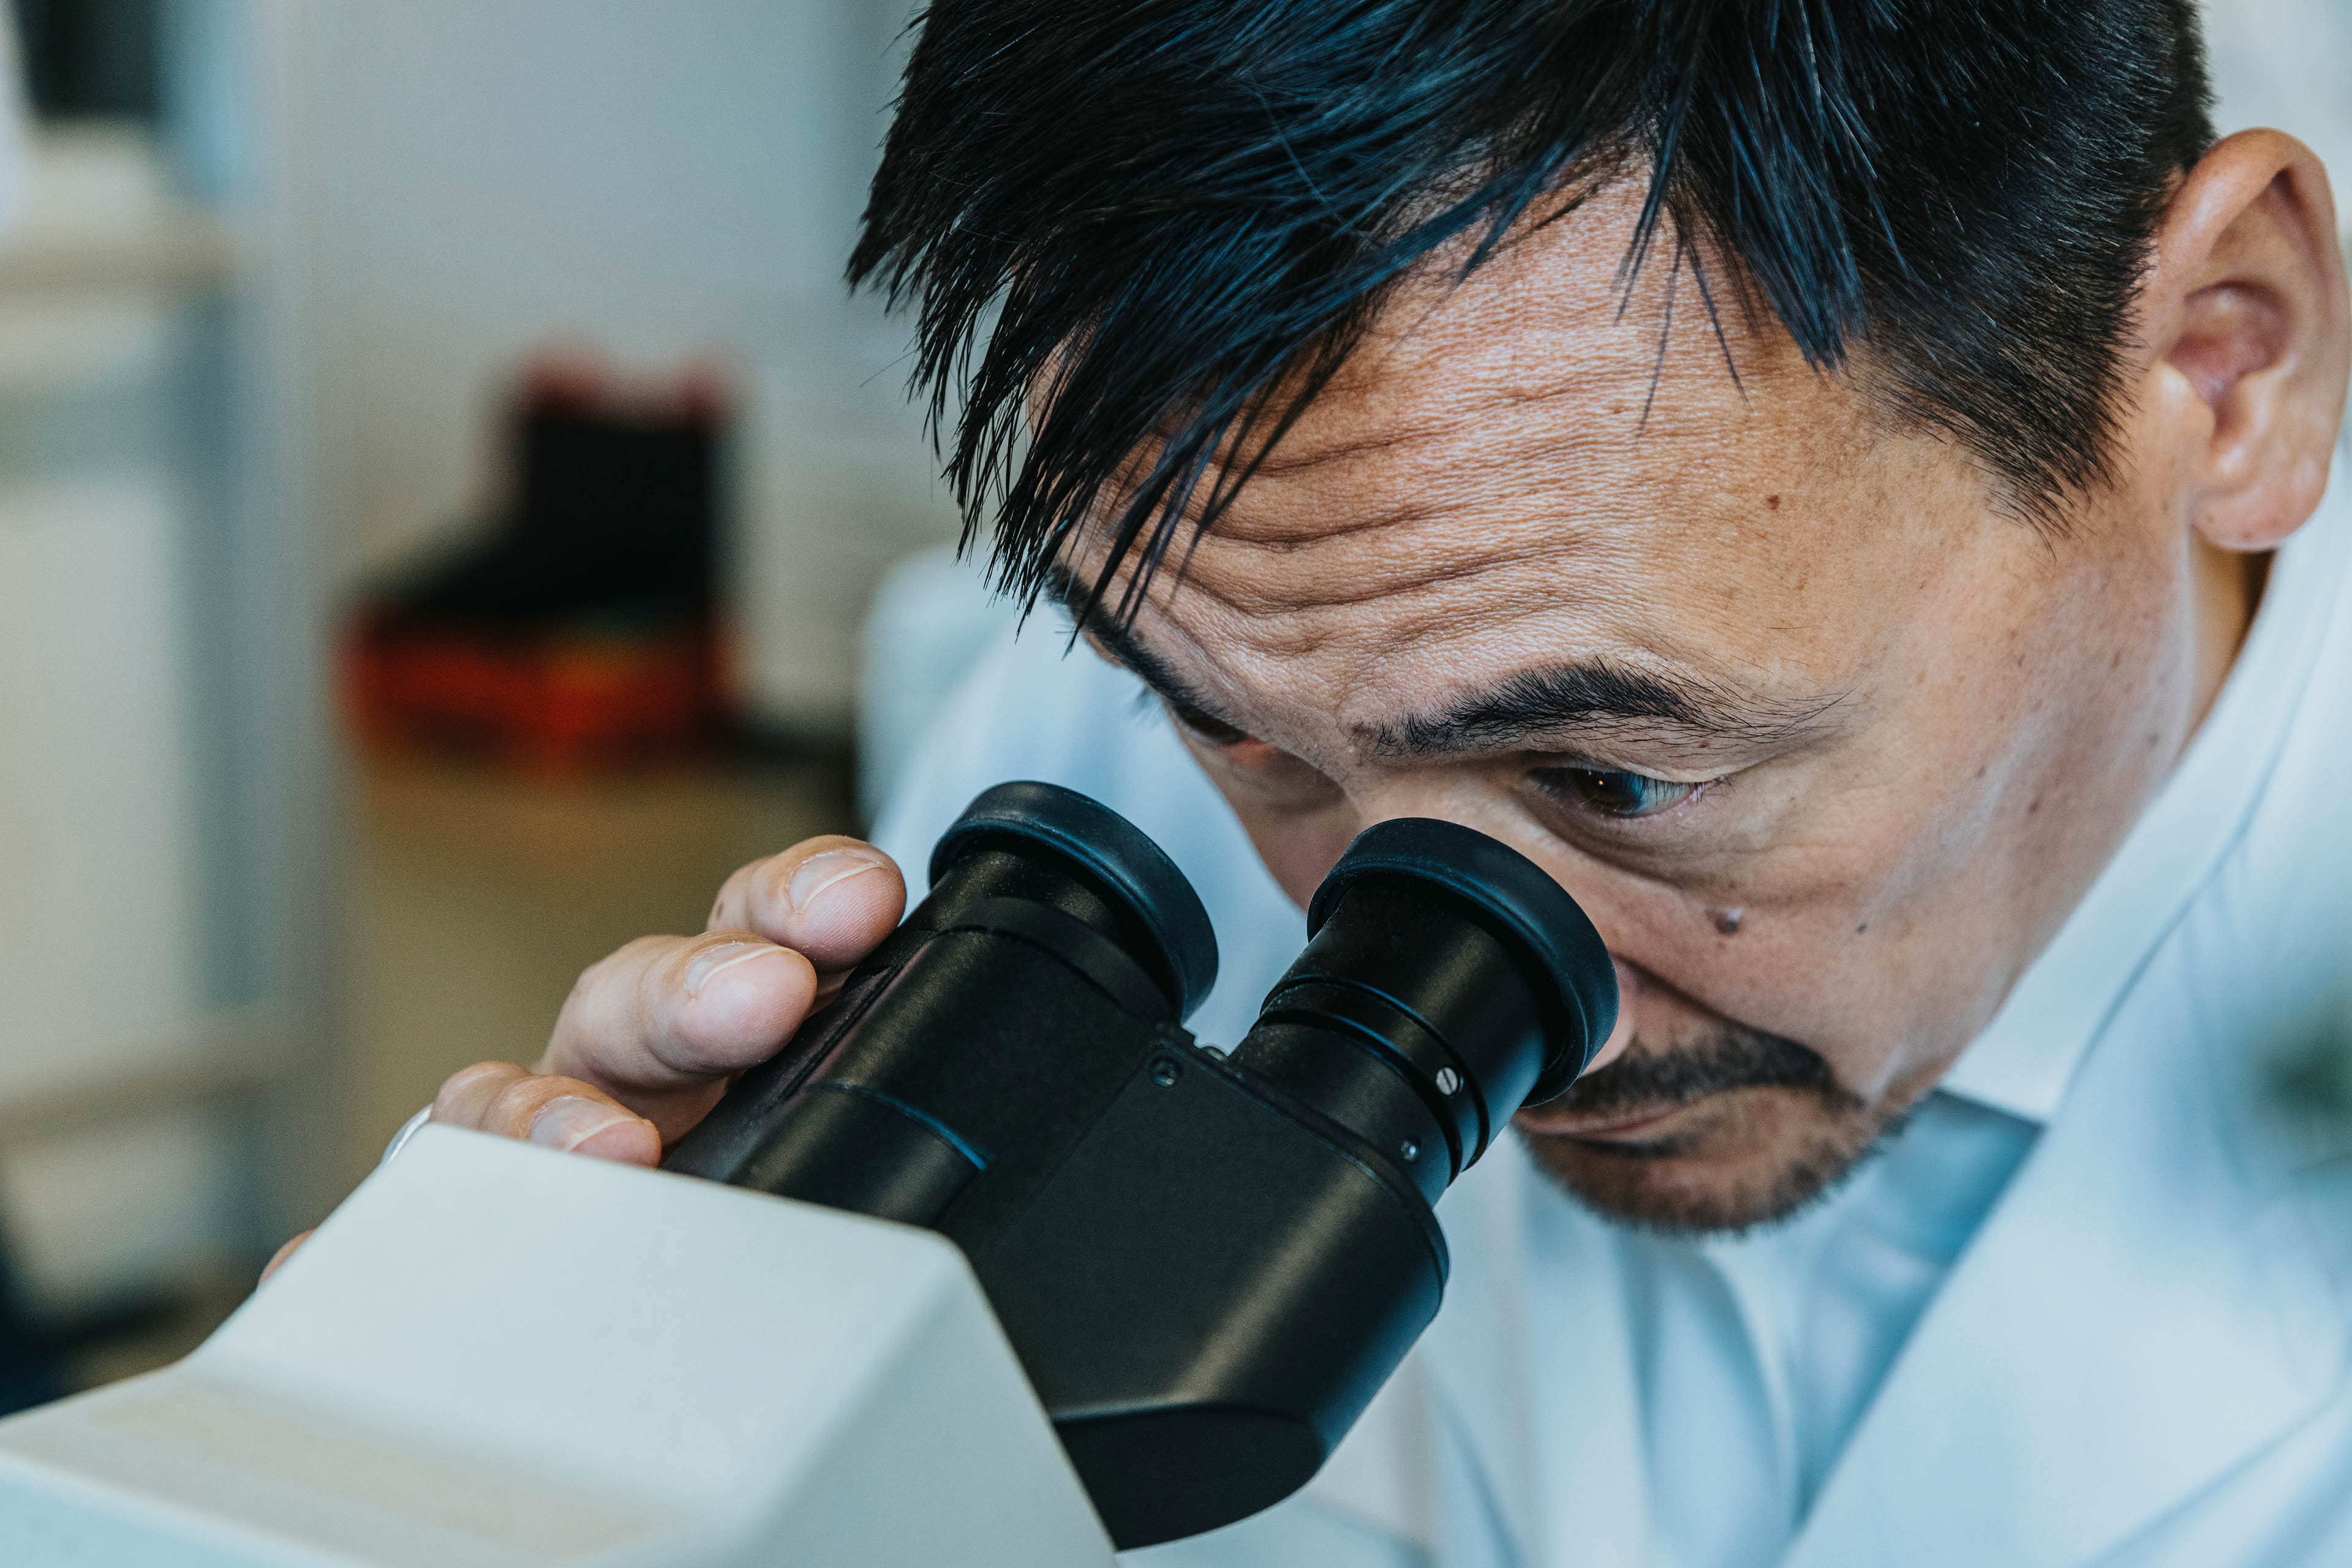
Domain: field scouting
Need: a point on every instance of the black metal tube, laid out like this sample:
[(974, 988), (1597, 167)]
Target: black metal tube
[(978, 1039), (1447, 978)]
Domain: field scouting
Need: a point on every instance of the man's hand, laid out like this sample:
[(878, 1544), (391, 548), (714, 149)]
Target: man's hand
[(649, 1037)]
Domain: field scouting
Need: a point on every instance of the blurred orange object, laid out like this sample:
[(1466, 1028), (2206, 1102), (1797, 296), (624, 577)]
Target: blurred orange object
[(561, 703), (580, 634)]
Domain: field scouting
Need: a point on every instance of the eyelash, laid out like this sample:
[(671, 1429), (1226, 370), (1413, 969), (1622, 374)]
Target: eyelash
[(1209, 732), (1585, 789)]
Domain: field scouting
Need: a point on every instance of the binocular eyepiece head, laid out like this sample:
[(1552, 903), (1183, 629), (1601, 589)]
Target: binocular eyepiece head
[(1207, 1261), (1447, 981)]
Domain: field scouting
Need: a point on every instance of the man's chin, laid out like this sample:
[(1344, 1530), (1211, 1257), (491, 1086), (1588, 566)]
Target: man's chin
[(1731, 1163)]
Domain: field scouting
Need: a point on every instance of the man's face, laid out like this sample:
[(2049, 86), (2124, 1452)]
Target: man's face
[(1824, 742)]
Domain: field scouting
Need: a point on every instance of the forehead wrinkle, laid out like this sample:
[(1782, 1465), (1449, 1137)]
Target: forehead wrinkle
[(1291, 456), (1377, 482), (1286, 512), (1388, 441), (1235, 527), (1299, 451), (1246, 598), (1422, 542)]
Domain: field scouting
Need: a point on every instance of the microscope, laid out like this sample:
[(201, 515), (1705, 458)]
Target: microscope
[(994, 1265)]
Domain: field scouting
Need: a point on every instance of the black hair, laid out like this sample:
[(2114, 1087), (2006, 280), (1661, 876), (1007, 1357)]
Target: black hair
[(1184, 213)]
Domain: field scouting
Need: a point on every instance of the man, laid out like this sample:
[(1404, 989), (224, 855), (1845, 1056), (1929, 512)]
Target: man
[(1823, 479)]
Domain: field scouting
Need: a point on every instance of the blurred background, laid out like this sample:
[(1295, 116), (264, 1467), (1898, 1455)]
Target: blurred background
[(443, 491)]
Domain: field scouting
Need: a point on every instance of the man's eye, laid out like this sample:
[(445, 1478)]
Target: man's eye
[(1208, 730), (1611, 792)]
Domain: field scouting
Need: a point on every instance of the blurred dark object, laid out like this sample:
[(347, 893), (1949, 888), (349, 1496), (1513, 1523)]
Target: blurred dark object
[(32, 1371), (88, 59), (581, 634)]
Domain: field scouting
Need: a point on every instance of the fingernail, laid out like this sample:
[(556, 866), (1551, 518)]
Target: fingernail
[(564, 1124), (726, 955), (819, 872)]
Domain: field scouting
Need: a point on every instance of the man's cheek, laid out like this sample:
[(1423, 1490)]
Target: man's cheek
[(1298, 848), (1778, 967)]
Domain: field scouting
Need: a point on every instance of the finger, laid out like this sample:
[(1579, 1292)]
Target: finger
[(669, 1013), (554, 1113), (468, 1092), (278, 1259), (832, 898)]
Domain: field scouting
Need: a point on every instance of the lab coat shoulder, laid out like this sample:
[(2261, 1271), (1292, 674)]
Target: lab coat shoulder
[(2146, 1346)]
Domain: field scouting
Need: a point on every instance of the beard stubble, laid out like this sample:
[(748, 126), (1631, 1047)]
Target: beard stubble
[(1774, 1133)]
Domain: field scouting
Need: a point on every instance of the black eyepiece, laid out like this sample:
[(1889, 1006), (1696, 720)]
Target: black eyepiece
[(1126, 868), (1515, 901), (972, 1044), (1448, 981)]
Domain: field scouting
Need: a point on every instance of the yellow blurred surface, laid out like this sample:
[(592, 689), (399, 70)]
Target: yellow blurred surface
[(473, 900)]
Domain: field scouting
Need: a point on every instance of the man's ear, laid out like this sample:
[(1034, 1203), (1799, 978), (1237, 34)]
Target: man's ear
[(2245, 310)]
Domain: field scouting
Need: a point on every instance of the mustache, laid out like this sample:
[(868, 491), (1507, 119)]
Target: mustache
[(1729, 1056)]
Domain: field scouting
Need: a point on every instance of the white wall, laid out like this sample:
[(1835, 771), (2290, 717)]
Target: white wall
[(657, 179), (2287, 64)]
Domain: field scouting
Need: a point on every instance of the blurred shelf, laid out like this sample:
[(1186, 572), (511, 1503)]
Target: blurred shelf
[(600, 836), (100, 215), (214, 1061), (171, 253)]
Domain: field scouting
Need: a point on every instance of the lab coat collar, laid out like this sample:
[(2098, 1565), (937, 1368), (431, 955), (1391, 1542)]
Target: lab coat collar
[(2025, 1058), (2144, 1312)]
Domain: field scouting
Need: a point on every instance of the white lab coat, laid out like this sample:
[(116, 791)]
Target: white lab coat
[(2140, 1360)]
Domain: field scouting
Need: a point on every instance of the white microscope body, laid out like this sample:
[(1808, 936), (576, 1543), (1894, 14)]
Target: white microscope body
[(493, 1356)]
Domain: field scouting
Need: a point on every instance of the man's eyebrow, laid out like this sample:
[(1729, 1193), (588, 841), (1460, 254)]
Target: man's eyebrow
[(1597, 698)]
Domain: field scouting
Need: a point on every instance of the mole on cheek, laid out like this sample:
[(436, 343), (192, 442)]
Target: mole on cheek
[(1727, 921)]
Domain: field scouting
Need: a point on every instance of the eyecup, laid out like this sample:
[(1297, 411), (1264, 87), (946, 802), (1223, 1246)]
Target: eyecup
[(1521, 904), (1111, 850)]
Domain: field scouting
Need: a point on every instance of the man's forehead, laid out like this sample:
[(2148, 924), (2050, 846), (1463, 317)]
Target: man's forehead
[(1538, 462), (1556, 317), (1543, 402), (1498, 659), (1462, 488), (1375, 608)]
